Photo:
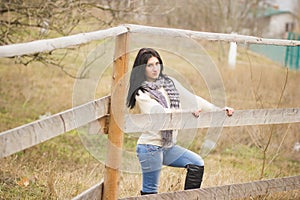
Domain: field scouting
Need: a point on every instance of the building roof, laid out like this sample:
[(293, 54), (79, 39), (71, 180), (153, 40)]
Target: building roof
[(271, 11)]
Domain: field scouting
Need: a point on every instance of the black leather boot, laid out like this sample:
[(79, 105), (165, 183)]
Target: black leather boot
[(146, 193), (193, 177)]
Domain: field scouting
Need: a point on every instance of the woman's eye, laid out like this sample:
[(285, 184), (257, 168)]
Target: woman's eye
[(153, 64)]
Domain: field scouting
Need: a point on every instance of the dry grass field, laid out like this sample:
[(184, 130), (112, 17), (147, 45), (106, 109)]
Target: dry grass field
[(61, 168)]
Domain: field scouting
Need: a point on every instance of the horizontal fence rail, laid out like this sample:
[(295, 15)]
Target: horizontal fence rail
[(234, 191), (20, 138), (185, 119), (92, 193), (210, 36), (83, 38), (28, 135), (240, 190), (58, 43)]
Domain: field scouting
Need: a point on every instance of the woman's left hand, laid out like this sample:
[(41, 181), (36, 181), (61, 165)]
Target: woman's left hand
[(229, 111)]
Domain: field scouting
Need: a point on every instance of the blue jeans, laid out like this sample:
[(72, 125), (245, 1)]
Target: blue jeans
[(152, 158)]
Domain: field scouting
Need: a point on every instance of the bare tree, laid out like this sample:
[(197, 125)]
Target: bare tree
[(202, 15), (28, 20), (23, 20)]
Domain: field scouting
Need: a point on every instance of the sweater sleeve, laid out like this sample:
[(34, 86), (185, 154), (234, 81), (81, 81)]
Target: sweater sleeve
[(191, 101), (149, 105)]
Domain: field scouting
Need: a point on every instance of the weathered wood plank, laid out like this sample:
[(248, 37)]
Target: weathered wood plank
[(28, 135), (209, 35), (185, 120), (68, 41), (116, 119), (20, 138), (58, 43), (93, 193), (240, 190)]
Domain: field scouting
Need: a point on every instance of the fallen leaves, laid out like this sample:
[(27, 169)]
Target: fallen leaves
[(23, 182)]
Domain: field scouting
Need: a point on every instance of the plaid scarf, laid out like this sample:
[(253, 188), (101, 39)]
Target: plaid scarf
[(168, 85)]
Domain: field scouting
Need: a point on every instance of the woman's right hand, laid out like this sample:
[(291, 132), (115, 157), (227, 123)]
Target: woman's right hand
[(197, 113), (229, 111)]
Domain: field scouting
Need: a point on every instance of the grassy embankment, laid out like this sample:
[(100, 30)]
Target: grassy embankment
[(61, 168)]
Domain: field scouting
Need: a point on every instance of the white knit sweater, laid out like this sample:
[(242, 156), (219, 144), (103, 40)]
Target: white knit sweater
[(149, 105)]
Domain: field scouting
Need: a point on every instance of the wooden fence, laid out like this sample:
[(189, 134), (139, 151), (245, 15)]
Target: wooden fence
[(98, 111), (233, 191)]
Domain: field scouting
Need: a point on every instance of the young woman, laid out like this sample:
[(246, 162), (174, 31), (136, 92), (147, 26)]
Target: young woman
[(154, 91)]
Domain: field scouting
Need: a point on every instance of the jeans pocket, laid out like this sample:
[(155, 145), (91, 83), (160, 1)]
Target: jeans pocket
[(147, 148), (145, 164), (153, 148)]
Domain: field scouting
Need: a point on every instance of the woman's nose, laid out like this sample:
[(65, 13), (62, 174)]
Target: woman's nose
[(155, 68)]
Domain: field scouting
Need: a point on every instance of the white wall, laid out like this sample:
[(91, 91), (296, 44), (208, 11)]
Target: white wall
[(277, 25)]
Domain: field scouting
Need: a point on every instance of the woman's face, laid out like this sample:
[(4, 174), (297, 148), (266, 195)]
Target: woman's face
[(152, 70)]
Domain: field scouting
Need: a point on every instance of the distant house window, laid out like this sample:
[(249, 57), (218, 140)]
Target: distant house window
[(289, 27)]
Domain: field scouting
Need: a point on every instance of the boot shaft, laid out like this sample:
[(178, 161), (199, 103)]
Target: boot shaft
[(194, 177)]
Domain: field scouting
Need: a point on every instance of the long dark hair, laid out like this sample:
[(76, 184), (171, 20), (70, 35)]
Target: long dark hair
[(137, 76)]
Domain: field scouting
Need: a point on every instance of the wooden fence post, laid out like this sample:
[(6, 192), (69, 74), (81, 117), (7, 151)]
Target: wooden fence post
[(115, 134)]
